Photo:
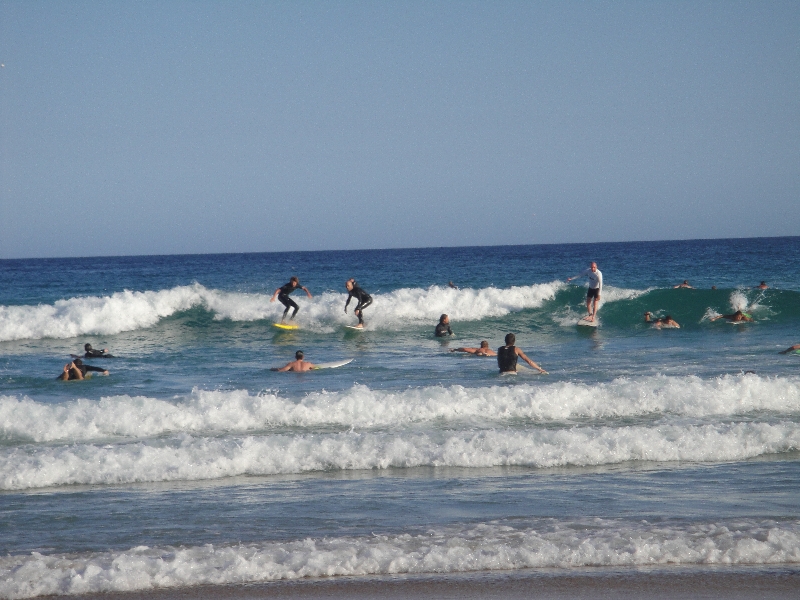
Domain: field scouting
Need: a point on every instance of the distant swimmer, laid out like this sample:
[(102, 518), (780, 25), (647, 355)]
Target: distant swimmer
[(363, 300), (92, 353), (737, 317), (283, 296), (795, 348), (713, 287), (595, 288), (685, 284), (77, 370), (443, 328), (452, 285), (507, 356), (298, 364), (667, 321), (484, 350), (763, 286)]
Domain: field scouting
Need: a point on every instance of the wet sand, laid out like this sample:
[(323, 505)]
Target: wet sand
[(664, 584)]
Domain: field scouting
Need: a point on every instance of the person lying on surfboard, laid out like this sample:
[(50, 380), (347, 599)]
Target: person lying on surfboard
[(283, 296), (77, 370), (92, 353), (363, 298), (595, 287), (298, 364), (685, 284), (507, 357), (667, 321), (736, 317), (484, 350), (795, 348)]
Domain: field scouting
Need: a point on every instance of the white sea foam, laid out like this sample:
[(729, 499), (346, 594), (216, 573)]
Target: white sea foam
[(239, 411), (185, 457), (545, 543), (403, 308)]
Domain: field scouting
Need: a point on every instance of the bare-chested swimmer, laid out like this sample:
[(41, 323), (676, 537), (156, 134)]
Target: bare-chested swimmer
[(298, 364), (667, 321), (795, 348), (685, 284), (737, 317), (484, 350)]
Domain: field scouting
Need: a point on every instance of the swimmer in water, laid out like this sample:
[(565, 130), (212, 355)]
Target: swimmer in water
[(685, 284), (298, 364), (283, 296), (667, 321), (92, 353), (507, 357), (795, 348), (737, 317), (763, 285), (443, 328), (595, 288), (76, 370), (484, 350), (362, 297)]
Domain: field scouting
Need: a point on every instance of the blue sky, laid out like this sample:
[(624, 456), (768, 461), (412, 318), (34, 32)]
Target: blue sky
[(199, 127)]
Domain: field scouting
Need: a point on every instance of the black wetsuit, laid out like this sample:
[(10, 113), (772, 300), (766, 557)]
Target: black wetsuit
[(97, 354), (364, 300), (283, 298), (443, 329), (84, 369), (507, 359)]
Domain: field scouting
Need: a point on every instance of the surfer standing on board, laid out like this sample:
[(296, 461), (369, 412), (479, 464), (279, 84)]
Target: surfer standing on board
[(283, 296), (363, 298), (595, 287), (507, 357), (298, 364)]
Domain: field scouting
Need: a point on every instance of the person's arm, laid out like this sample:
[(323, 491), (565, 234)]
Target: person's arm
[(349, 295), (305, 289), (792, 349), (286, 367), (467, 350), (98, 369), (521, 354), (275, 295), (581, 274)]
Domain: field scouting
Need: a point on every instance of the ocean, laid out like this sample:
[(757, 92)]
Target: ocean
[(192, 464)]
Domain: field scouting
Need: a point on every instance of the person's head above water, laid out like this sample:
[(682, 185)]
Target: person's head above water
[(299, 355), (484, 344), (510, 339), (444, 319), (87, 347), (78, 362)]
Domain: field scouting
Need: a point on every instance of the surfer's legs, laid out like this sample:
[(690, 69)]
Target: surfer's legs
[(592, 298), (359, 310), (288, 303)]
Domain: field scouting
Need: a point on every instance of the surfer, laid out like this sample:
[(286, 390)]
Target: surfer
[(595, 287), (77, 370), (298, 364), (92, 353), (685, 284), (283, 296), (443, 328), (507, 356), (795, 348), (737, 317), (362, 297), (667, 321), (484, 350), (763, 285)]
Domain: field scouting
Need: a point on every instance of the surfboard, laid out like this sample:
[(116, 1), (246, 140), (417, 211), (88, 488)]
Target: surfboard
[(334, 364), (354, 327), (93, 357), (285, 326), (584, 323)]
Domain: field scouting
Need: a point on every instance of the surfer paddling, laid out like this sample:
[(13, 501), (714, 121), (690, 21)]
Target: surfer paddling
[(667, 321), (795, 348), (77, 370), (90, 352), (283, 297), (298, 364), (363, 300), (737, 317), (507, 357), (484, 350), (685, 284), (595, 288)]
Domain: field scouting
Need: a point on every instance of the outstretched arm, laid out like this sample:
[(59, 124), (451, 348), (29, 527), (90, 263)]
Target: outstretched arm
[(467, 350), (305, 289), (522, 355), (792, 349)]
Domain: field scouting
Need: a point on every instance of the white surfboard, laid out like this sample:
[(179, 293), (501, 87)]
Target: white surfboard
[(334, 364), (585, 323), (354, 327)]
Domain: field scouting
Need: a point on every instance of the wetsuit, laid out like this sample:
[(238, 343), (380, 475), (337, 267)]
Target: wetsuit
[(84, 369), (97, 354), (283, 298), (364, 300), (443, 329), (507, 359)]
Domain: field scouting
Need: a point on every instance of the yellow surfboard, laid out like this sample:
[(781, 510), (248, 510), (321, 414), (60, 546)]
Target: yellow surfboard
[(285, 326)]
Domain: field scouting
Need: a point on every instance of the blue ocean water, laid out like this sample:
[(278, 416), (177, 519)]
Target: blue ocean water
[(193, 463)]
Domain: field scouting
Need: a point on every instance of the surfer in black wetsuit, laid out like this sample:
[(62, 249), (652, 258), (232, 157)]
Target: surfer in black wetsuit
[(283, 296), (363, 298), (443, 328), (92, 353), (507, 357), (77, 370)]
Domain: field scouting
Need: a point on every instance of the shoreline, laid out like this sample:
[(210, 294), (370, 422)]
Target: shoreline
[(677, 583)]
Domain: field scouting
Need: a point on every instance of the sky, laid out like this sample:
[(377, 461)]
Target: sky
[(175, 127)]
